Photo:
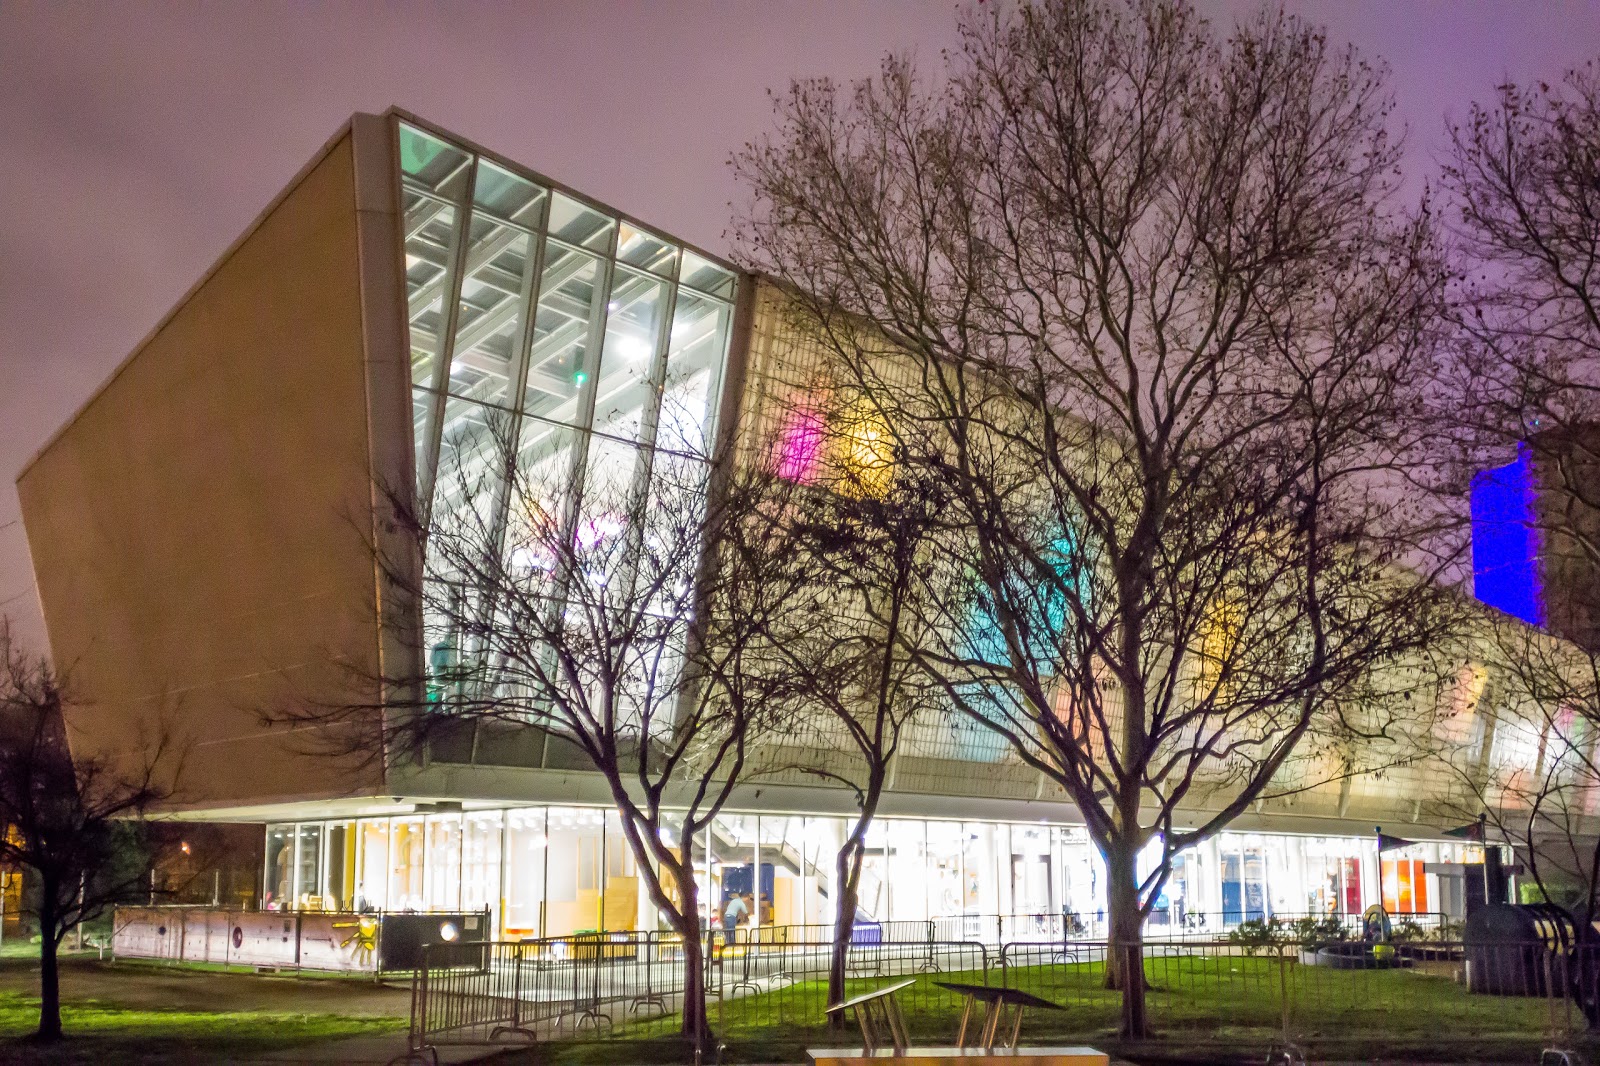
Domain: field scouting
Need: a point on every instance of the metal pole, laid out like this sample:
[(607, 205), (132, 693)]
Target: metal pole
[(77, 927)]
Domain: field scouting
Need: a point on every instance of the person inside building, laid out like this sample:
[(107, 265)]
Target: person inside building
[(732, 915)]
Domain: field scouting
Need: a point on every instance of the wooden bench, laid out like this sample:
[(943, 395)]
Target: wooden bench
[(875, 1009), (971, 1056), (882, 1009), (995, 1001)]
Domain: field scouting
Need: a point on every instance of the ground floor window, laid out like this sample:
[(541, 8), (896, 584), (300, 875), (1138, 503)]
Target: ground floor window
[(554, 871)]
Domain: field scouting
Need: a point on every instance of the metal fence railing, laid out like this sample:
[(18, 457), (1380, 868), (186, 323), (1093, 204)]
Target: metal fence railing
[(1166, 923), (620, 985), (767, 997)]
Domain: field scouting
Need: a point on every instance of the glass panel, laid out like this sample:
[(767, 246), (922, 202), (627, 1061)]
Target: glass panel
[(526, 844), (569, 307), (792, 883), (372, 880), (480, 862), (700, 273), (339, 867), (308, 868), (536, 514), (643, 249), (431, 162), (406, 857), (907, 863), (1033, 876), (507, 196), (574, 223), (1081, 879), (574, 879), (633, 326), (694, 361), (489, 322), (977, 868), (824, 837), (279, 893), (606, 504), (444, 862), (733, 847), (430, 236), (672, 518), (422, 404), (471, 466), (944, 870), (623, 896)]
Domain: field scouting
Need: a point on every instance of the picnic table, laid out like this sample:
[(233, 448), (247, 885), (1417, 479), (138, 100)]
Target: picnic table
[(995, 1001), (875, 1009)]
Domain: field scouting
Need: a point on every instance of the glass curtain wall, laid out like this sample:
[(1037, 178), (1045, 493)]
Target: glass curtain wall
[(582, 347), (553, 871)]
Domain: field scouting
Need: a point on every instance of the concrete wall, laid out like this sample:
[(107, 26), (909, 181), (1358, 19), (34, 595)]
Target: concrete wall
[(339, 942), (200, 530)]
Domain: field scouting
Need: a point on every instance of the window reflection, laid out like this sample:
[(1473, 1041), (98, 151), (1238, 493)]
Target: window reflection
[(644, 249), (694, 359), (576, 223), (430, 240), (471, 465), (489, 320), (568, 315), (543, 329), (627, 365), (507, 196), (432, 164)]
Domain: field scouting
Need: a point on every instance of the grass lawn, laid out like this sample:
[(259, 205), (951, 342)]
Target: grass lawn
[(118, 1013), (103, 1033), (1215, 1008)]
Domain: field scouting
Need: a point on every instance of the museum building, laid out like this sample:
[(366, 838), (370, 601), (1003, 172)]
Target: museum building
[(203, 535)]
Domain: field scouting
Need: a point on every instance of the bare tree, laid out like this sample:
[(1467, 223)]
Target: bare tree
[(1524, 184), (1532, 778), (617, 610), (1139, 298), (857, 542), (75, 825)]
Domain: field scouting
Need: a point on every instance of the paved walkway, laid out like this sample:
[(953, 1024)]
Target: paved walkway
[(363, 1050)]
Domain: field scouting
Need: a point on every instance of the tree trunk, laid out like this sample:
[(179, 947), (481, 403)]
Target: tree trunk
[(1125, 940), (685, 920), (49, 975), (658, 865), (847, 876), (696, 1027)]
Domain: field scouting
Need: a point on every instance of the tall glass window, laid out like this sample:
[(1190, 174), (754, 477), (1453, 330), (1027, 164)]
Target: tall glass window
[(545, 331), (526, 848), (372, 864), (308, 867), (279, 894), (444, 862)]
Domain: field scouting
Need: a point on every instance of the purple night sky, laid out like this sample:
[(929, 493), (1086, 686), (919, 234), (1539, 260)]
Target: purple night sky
[(140, 139)]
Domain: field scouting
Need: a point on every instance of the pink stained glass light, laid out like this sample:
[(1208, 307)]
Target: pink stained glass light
[(800, 445)]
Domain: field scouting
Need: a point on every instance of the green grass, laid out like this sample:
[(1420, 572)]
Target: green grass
[(102, 1033), (1227, 1004)]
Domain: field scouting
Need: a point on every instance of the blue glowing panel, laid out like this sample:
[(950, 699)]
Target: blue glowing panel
[(1505, 541), (1045, 617)]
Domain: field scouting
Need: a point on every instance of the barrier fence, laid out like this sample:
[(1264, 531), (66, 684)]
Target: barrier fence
[(766, 997), (995, 929)]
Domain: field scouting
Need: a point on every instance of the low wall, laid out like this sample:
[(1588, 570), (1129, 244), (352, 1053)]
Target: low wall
[(315, 941)]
